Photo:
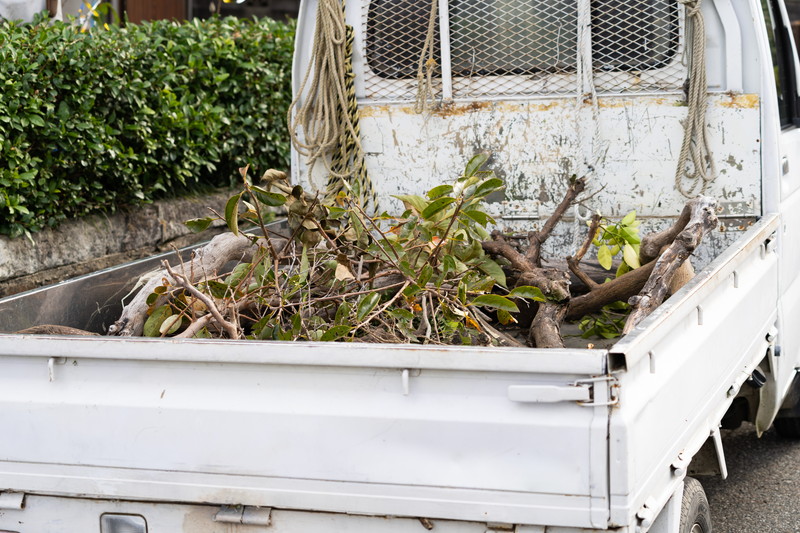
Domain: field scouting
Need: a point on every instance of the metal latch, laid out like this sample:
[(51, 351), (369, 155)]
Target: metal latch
[(12, 501), (244, 514), (581, 391)]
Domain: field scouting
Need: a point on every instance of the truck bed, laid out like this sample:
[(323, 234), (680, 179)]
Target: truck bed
[(576, 438)]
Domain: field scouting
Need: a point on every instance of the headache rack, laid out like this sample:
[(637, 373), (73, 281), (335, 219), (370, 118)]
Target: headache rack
[(523, 47)]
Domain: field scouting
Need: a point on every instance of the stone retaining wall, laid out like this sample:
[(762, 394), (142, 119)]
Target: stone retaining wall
[(84, 245)]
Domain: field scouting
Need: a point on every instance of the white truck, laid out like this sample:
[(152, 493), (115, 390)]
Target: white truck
[(137, 435)]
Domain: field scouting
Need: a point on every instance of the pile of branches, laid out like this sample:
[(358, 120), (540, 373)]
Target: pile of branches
[(433, 274)]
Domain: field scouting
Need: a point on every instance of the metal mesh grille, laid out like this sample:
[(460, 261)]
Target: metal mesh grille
[(395, 35), (526, 47), (513, 46)]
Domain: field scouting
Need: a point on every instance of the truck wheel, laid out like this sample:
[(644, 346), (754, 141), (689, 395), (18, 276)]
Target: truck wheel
[(788, 428), (695, 515)]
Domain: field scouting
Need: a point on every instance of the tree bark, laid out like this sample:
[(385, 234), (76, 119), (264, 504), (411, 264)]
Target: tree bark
[(206, 262), (617, 289), (702, 219)]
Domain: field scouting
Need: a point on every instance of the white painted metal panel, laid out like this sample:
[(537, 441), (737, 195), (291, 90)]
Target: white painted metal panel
[(343, 439), (536, 147), (71, 515)]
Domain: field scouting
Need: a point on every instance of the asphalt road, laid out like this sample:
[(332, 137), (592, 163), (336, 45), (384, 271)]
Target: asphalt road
[(762, 492)]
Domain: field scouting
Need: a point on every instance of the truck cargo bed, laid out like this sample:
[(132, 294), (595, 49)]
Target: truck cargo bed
[(524, 436)]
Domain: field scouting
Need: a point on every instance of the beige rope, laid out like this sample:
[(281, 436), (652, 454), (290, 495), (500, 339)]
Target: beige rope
[(425, 67), (328, 116), (695, 146)]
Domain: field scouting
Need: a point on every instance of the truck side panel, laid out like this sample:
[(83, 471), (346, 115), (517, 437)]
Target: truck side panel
[(433, 442), (684, 365)]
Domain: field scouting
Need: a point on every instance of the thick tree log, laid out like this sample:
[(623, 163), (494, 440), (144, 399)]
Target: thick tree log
[(545, 329), (206, 262), (554, 283), (617, 289), (654, 243), (702, 219)]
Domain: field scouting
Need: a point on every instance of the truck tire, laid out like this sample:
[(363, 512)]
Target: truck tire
[(695, 514), (788, 428)]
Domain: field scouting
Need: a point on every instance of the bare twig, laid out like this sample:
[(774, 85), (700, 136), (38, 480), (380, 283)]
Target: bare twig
[(574, 262), (230, 329), (537, 238)]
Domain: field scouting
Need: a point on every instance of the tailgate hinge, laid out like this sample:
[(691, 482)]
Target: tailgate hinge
[(582, 391), (12, 501), (244, 514)]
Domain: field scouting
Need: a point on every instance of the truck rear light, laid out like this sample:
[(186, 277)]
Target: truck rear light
[(122, 523)]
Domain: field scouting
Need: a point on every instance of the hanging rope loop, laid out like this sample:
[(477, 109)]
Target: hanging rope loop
[(328, 115), (694, 181)]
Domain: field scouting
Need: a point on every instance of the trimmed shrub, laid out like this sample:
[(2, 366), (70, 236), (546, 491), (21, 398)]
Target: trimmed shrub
[(91, 122)]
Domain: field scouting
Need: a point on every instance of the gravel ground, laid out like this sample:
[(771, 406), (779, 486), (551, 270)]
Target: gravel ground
[(762, 492)]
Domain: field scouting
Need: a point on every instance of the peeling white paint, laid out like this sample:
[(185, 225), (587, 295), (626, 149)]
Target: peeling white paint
[(535, 149)]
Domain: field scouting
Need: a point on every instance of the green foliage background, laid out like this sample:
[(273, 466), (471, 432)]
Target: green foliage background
[(91, 122)]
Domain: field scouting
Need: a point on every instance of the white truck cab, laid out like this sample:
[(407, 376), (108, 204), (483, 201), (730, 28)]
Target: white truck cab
[(143, 435)]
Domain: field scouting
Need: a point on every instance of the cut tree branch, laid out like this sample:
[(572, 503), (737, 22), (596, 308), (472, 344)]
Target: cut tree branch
[(574, 262), (702, 219), (537, 238)]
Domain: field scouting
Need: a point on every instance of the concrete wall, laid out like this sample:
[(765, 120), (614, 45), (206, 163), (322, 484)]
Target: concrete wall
[(84, 245)]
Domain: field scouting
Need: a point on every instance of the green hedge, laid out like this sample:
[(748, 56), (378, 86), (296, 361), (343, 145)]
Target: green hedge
[(91, 122)]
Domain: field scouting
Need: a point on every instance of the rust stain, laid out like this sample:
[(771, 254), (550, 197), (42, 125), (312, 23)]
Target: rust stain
[(462, 109), (376, 110), (740, 101), (454, 110)]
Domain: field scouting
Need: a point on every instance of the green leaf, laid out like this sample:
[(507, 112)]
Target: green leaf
[(411, 290), (475, 164), (297, 324), (170, 325), (604, 257), (413, 202), (199, 224), (630, 256), (495, 301), (342, 313), (218, 289), (237, 274), (441, 190), (528, 292), (153, 324), (490, 268), (366, 304), (630, 235), (488, 187), (479, 216), (628, 219), (402, 314), (336, 332), (36, 120), (504, 317), (304, 264), (265, 197), (232, 213), (436, 206), (425, 275), (335, 213)]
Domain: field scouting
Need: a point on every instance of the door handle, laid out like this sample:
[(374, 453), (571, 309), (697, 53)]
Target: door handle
[(785, 165)]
